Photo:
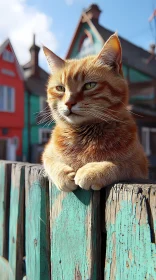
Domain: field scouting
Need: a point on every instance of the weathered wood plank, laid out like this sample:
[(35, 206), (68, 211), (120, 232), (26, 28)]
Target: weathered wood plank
[(5, 179), (16, 226), (130, 226), (75, 235), (37, 225)]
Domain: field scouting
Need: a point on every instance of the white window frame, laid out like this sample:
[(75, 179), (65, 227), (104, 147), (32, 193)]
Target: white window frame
[(145, 138), (15, 140), (41, 131), (8, 56), (8, 72), (4, 91)]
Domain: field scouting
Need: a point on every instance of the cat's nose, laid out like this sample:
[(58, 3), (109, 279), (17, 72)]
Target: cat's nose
[(70, 103)]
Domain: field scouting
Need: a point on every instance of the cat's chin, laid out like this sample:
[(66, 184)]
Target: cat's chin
[(74, 119)]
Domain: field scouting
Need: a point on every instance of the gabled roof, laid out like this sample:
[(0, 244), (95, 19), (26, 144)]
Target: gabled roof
[(133, 55), (3, 46)]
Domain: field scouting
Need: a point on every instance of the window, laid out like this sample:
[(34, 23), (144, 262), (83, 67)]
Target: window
[(87, 48), (8, 56), (148, 138), (7, 99), (44, 135), (15, 141), (8, 72)]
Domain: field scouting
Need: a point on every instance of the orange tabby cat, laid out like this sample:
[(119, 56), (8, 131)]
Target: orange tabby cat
[(95, 141)]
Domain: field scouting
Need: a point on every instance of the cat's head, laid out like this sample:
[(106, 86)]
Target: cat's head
[(91, 89)]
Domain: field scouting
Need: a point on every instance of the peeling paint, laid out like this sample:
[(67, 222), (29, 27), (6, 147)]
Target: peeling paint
[(135, 253)]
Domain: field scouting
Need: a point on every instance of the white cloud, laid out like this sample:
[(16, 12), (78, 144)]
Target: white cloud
[(69, 2), (18, 21)]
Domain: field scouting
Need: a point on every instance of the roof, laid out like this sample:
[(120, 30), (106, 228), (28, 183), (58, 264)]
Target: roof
[(133, 55), (3, 47)]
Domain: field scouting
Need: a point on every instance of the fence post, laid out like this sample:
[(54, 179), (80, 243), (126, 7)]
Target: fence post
[(131, 232), (37, 225), (5, 179), (16, 224), (75, 235)]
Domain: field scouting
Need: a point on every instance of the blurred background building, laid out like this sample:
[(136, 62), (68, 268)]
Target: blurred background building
[(23, 91), (34, 134), (11, 104)]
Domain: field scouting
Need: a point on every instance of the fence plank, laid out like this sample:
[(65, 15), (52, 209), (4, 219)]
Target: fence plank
[(131, 232), (75, 235), (16, 227), (37, 225), (5, 179)]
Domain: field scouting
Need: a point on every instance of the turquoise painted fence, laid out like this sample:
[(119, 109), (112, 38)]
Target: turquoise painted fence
[(46, 234)]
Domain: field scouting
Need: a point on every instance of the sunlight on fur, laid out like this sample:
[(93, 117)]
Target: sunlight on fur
[(94, 142)]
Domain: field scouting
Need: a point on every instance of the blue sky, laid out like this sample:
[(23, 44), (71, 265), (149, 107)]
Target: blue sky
[(54, 22), (128, 17)]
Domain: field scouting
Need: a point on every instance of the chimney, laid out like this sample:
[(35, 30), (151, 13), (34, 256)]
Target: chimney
[(152, 48), (34, 51), (93, 12)]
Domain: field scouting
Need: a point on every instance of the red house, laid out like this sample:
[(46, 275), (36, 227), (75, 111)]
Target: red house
[(11, 104)]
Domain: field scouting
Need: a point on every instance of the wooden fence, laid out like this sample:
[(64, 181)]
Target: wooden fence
[(83, 235)]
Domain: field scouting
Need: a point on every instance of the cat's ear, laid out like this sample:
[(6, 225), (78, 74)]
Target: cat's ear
[(54, 61), (111, 53)]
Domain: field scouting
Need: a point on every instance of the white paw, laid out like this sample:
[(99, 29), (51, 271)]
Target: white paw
[(88, 177)]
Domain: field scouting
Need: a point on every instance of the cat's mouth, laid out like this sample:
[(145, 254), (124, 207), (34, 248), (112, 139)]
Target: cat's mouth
[(72, 114), (69, 113)]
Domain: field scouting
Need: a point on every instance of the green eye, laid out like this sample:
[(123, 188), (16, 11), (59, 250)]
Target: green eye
[(60, 88), (89, 86)]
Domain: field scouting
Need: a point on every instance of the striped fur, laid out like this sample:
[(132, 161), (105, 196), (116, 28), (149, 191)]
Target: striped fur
[(95, 141)]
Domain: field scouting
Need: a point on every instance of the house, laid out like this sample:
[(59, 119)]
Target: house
[(11, 104), (36, 132), (139, 67)]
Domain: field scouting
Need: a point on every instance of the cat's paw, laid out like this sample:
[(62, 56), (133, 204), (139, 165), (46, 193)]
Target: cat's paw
[(90, 177), (64, 180)]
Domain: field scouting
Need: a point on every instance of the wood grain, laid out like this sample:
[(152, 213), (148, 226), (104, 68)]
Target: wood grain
[(16, 226), (62, 231), (75, 235), (5, 181), (131, 232), (37, 225)]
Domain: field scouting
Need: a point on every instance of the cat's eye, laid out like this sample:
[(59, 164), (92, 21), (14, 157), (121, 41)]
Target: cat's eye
[(89, 86), (60, 88)]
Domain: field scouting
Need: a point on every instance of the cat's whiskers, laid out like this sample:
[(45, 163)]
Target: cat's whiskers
[(103, 116), (44, 110), (110, 111), (101, 108), (130, 110), (96, 114), (44, 119), (48, 123)]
